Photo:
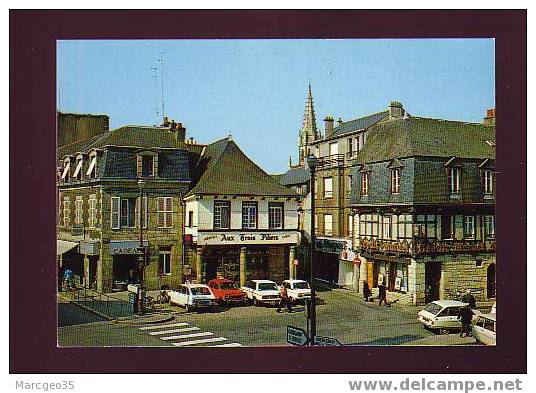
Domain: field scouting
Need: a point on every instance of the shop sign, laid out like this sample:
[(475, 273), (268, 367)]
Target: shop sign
[(125, 247), (89, 248), (333, 246), (222, 238)]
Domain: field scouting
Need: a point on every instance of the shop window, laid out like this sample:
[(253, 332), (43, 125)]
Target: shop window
[(328, 187), (165, 212), (249, 215), (164, 262), (222, 214), (275, 215)]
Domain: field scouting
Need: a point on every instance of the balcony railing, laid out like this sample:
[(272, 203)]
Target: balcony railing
[(333, 160), (426, 246)]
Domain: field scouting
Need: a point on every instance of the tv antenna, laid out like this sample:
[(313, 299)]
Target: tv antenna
[(162, 82), (156, 94)]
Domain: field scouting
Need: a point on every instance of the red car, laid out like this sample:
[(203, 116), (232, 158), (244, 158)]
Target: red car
[(226, 291)]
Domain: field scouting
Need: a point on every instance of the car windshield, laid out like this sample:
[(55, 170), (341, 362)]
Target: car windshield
[(200, 291), (228, 285), (301, 285), (433, 308), (267, 286)]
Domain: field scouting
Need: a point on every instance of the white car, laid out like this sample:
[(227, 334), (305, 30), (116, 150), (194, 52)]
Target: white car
[(192, 296), (442, 315), (484, 329), (297, 290), (261, 291)]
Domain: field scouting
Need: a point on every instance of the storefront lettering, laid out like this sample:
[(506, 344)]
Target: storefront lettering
[(248, 238), (226, 238), (267, 236)]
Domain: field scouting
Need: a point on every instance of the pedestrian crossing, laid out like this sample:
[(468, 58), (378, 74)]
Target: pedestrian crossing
[(182, 334)]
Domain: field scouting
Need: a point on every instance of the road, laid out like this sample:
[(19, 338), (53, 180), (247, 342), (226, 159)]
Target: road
[(340, 314)]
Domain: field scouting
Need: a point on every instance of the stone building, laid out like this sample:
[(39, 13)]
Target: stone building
[(240, 223), (101, 183), (423, 199)]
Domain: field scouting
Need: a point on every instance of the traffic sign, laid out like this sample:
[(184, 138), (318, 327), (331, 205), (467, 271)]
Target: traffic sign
[(327, 342), (296, 336)]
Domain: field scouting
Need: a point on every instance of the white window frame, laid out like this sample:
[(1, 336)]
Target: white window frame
[(489, 222), (328, 229), (488, 182), (365, 179), (92, 211), (328, 187), (66, 211), (166, 256), (469, 227), (78, 210), (217, 219), (333, 148), (273, 208), (395, 181), (249, 214), (454, 186)]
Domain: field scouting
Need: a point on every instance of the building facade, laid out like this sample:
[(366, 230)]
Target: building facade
[(423, 198), (117, 191), (240, 223), (76, 127)]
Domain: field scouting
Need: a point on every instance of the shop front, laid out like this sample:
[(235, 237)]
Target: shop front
[(334, 259), (242, 256), (125, 262), (387, 270)]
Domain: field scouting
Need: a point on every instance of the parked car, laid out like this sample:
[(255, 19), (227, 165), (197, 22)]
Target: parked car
[(483, 329), (261, 291), (297, 290), (192, 296), (227, 291), (494, 308), (441, 316)]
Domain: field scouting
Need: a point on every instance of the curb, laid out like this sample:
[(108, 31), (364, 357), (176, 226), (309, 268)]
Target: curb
[(86, 308)]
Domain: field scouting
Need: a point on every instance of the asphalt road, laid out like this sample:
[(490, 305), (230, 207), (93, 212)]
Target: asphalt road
[(340, 314)]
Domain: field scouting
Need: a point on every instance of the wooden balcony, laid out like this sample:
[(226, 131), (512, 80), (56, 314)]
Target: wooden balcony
[(426, 246)]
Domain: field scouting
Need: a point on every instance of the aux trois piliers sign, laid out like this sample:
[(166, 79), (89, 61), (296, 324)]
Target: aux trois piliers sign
[(230, 238)]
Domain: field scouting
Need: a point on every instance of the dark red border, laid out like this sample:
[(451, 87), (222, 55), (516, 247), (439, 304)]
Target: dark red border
[(32, 187)]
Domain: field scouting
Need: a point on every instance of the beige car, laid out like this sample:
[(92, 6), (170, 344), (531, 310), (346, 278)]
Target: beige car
[(484, 329), (441, 316)]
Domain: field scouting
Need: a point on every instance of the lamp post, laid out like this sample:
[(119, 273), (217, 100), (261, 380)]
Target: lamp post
[(312, 163), (142, 258)]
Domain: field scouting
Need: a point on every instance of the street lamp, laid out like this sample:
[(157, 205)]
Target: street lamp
[(141, 260), (312, 163)]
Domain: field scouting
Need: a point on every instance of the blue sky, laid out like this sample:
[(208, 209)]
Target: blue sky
[(255, 90)]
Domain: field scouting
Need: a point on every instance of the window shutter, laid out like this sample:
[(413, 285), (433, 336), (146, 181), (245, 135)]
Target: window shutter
[(169, 212), (139, 165), (115, 212), (161, 206)]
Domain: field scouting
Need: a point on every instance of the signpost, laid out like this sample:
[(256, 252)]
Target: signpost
[(327, 342), (296, 336)]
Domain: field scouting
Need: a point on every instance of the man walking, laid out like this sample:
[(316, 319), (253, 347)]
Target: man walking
[(382, 294), (466, 316), (469, 299), (284, 299)]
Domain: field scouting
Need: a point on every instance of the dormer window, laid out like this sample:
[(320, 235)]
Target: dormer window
[(488, 182), (66, 168), (395, 181), (78, 171), (92, 169), (147, 164), (453, 175), (364, 183)]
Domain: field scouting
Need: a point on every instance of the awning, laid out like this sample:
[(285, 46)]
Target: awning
[(64, 246)]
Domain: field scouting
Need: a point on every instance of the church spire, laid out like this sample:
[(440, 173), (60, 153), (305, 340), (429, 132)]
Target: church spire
[(309, 131)]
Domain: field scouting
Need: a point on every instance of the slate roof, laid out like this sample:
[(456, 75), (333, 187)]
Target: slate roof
[(128, 136), (419, 136), (224, 169), (294, 176), (359, 124)]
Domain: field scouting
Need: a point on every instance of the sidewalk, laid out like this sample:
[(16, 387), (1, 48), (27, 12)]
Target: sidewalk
[(443, 340)]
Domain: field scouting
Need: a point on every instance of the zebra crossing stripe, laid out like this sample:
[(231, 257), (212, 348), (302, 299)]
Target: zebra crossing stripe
[(194, 342), (228, 345), (169, 325), (187, 336), (188, 329)]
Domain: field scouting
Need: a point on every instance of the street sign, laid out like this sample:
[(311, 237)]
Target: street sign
[(327, 342), (296, 336)]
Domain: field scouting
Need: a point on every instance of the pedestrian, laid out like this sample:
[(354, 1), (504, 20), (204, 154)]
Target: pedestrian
[(466, 316), (284, 299), (68, 278), (382, 294), (469, 299), (366, 291)]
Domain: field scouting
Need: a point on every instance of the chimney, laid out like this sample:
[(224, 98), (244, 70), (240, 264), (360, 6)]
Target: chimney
[(489, 120), (339, 121), (166, 122), (396, 110), (328, 126), (180, 132)]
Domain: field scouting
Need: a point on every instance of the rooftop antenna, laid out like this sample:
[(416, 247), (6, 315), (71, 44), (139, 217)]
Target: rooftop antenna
[(162, 81), (156, 95)]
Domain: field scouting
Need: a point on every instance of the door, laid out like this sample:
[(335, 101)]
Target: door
[(211, 268), (370, 274), (432, 271)]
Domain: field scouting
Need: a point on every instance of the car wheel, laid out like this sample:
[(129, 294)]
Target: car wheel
[(443, 331), (255, 302), (187, 308)]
